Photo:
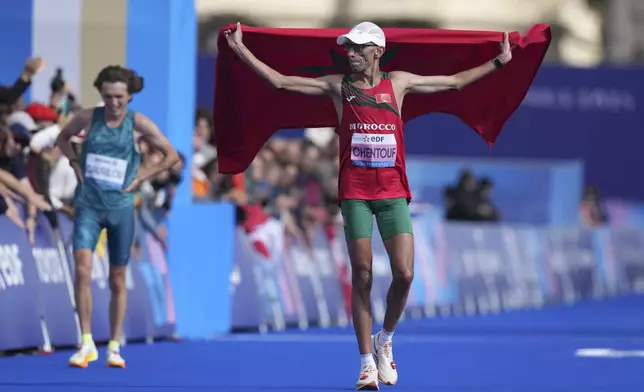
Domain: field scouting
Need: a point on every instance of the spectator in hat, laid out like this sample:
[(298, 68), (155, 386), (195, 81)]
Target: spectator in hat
[(35, 117), (43, 115), (22, 126)]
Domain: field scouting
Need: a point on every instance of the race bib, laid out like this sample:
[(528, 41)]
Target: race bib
[(105, 171), (370, 150)]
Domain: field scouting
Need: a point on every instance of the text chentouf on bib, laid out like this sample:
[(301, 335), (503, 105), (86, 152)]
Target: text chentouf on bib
[(372, 150), (106, 172)]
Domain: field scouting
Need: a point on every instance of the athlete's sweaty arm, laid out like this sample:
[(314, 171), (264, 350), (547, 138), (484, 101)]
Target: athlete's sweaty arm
[(79, 122), (309, 86), (415, 84), (151, 132)]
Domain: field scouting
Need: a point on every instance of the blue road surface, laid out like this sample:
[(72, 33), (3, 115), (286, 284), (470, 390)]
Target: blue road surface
[(523, 351)]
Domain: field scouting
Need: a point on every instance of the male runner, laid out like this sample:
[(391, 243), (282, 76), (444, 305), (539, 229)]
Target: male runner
[(373, 179), (108, 172)]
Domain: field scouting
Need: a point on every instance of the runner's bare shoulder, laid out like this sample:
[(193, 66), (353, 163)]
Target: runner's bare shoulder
[(335, 82), (80, 121)]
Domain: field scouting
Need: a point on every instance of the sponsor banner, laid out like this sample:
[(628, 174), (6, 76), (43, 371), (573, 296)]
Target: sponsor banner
[(55, 288), (307, 274), (623, 252), (100, 281), (152, 288), (20, 320), (145, 293), (266, 285), (329, 277), (479, 266), (280, 281), (572, 266), (293, 284), (247, 303), (459, 268), (150, 310), (431, 263)]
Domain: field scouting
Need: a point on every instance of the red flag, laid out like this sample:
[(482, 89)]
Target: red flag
[(248, 112)]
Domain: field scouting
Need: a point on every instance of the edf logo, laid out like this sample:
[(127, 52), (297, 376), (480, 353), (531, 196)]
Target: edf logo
[(373, 139)]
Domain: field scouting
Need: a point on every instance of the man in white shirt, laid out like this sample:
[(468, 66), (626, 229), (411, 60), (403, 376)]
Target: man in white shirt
[(62, 179)]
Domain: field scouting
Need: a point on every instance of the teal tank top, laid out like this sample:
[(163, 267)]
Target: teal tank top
[(109, 160)]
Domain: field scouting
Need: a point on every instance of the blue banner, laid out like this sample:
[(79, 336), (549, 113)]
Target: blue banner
[(139, 322), (55, 286), (280, 281), (459, 268), (308, 279), (248, 311), (623, 252), (329, 277), (20, 316), (571, 264), (479, 265), (151, 295), (100, 280), (150, 311), (542, 193)]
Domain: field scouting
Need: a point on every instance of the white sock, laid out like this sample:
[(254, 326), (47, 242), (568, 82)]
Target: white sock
[(384, 337), (366, 359)]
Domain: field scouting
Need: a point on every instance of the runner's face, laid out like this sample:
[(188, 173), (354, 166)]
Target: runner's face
[(116, 97), (361, 57)]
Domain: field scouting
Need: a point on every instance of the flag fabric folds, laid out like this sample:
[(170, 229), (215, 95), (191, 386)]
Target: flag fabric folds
[(248, 112)]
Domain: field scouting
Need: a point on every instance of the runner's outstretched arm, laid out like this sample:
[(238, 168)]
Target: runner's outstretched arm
[(297, 84), (415, 84)]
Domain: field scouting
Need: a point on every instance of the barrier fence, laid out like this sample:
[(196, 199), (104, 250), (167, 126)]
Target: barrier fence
[(37, 306), (459, 269), (279, 281)]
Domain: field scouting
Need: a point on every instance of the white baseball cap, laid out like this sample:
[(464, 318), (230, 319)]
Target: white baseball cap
[(364, 33)]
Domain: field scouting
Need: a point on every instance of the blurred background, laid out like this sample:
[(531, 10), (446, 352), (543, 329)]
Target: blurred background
[(552, 214)]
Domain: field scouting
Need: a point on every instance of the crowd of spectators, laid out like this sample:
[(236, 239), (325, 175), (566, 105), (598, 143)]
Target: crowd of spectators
[(35, 175), (293, 180), (471, 200)]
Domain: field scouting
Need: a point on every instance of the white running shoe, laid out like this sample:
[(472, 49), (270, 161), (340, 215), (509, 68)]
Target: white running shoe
[(86, 353), (384, 357), (114, 359), (368, 379)]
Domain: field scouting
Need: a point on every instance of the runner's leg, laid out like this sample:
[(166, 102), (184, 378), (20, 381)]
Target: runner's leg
[(87, 229), (358, 224), (120, 236), (394, 224)]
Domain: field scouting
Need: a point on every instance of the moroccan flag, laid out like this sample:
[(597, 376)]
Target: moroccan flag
[(248, 112)]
